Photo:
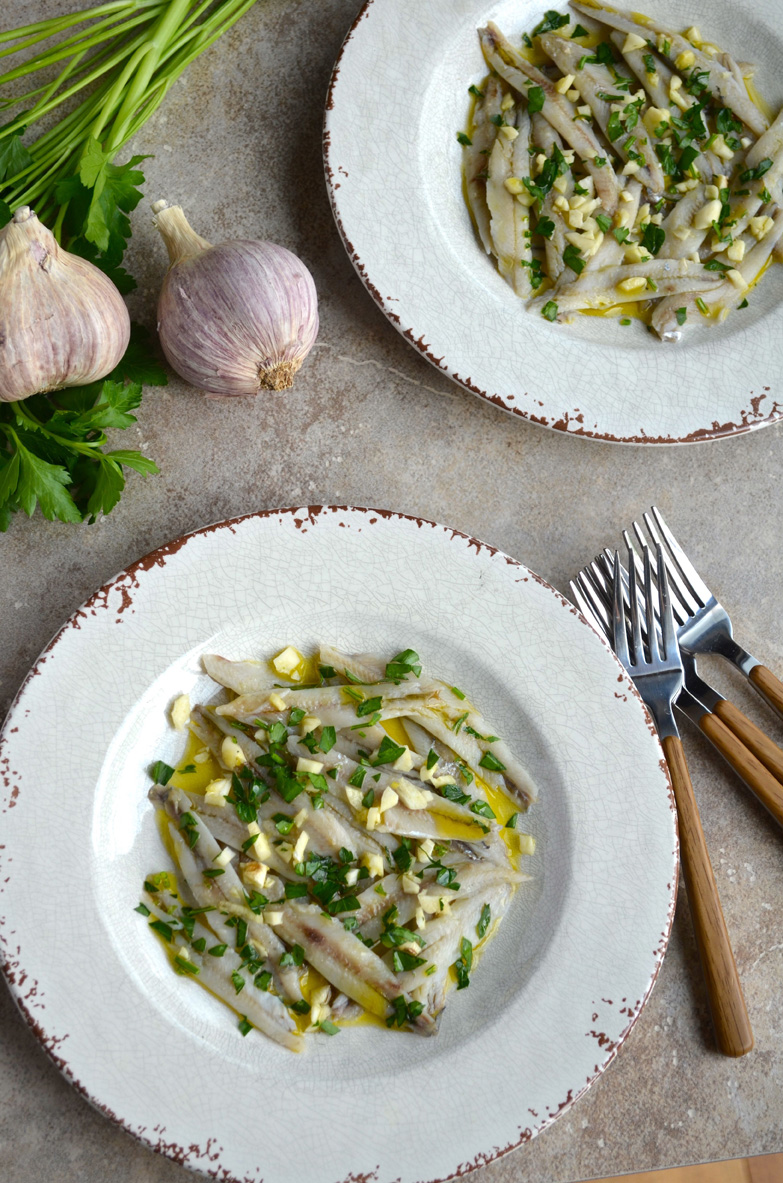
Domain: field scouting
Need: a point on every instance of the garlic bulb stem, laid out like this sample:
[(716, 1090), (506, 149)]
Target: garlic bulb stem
[(180, 238), (62, 321), (234, 318)]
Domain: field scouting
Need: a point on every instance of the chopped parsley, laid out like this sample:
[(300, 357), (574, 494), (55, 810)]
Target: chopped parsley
[(653, 238), (572, 258), (161, 772), (552, 20), (464, 963), (491, 762), (484, 919), (535, 99), (549, 311), (682, 315)]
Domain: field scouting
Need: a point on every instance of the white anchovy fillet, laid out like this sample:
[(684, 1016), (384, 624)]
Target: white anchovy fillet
[(243, 677), (248, 706), (364, 666), (483, 136), (546, 138), (594, 80), (343, 959), (558, 110), (721, 83), (600, 289)]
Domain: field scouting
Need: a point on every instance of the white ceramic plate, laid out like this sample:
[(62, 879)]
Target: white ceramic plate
[(398, 96), (559, 987)]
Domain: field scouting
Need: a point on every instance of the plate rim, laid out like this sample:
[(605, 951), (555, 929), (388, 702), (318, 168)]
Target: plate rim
[(207, 1156), (570, 421)]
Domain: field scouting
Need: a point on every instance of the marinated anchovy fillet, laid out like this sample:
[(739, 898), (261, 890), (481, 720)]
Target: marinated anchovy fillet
[(590, 159), (354, 838)]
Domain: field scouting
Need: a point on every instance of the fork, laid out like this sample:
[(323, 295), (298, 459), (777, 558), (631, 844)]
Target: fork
[(659, 680), (734, 736), (704, 624)]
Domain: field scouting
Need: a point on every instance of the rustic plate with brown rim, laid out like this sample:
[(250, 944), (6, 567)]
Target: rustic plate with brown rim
[(397, 97), (559, 987)]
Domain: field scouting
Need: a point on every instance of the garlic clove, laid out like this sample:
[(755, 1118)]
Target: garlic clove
[(62, 321), (234, 318)]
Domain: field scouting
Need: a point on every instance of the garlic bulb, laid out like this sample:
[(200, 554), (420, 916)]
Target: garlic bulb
[(233, 318), (62, 321)]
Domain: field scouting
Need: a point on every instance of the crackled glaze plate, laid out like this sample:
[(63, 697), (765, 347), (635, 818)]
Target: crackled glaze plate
[(559, 987), (397, 97)]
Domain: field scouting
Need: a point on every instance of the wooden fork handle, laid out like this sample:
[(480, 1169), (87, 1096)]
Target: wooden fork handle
[(729, 1013), (769, 687), (750, 752)]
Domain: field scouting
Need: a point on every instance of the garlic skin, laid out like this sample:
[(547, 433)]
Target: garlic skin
[(234, 318), (62, 321)]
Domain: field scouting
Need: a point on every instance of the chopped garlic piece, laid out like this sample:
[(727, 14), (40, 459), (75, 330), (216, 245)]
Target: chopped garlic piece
[(626, 196), (508, 102), (675, 84), (509, 133), (424, 849), (404, 763), (681, 232), (685, 60), (373, 817), (309, 723), (630, 167), (514, 185), (527, 844), (388, 799), (585, 110), (255, 874), (261, 848), (253, 828), (440, 781), (276, 701), (421, 919), (426, 774), (564, 84), (737, 279), (354, 797), (434, 905), (711, 192), (686, 186), (300, 817), (273, 918), (374, 864), (561, 203), (180, 712), (760, 226), (220, 788), (633, 41), (708, 214), (305, 765), (721, 148), (577, 201), (410, 885), (224, 858), (644, 213), (411, 796), (560, 184), (320, 997), (693, 35), (632, 285), (633, 254), (352, 877), (231, 754), (574, 95), (576, 219), (736, 251), (301, 846), (201, 757), (287, 661)]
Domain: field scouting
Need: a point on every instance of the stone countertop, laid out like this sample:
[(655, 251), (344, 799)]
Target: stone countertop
[(238, 144)]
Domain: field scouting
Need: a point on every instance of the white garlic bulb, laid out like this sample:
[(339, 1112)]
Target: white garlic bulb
[(233, 318), (62, 321)]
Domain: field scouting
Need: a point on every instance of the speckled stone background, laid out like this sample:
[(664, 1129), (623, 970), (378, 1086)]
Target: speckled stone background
[(371, 423)]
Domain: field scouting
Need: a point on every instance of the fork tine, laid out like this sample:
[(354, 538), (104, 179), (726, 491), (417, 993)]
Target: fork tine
[(618, 615), (677, 583), (590, 607), (652, 635), (668, 638), (633, 599), (600, 606), (678, 563)]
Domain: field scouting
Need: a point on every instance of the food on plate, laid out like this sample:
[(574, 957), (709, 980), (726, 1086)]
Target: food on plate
[(62, 321), (613, 166), (345, 831), (234, 318)]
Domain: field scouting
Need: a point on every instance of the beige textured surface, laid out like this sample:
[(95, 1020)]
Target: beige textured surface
[(371, 423)]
